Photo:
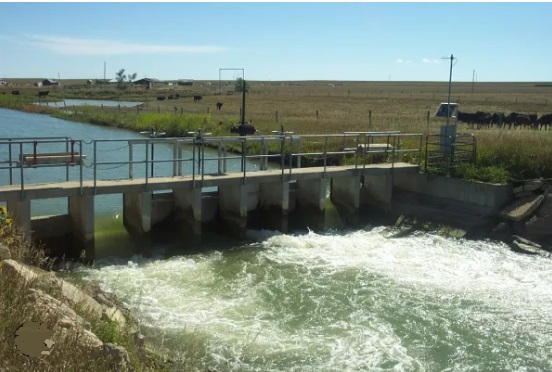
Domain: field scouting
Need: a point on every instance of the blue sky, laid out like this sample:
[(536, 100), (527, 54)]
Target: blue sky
[(278, 41)]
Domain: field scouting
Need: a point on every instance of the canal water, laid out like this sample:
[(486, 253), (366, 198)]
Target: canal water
[(334, 300)]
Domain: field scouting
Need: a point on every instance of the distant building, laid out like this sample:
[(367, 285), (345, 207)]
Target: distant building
[(188, 82), (48, 82), (89, 82), (148, 82)]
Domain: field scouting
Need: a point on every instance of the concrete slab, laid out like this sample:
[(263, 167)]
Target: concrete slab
[(522, 208)]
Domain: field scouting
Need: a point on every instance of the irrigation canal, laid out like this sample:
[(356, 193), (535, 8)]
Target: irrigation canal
[(331, 300)]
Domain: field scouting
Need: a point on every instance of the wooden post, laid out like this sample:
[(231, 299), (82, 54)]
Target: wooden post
[(276, 116), (316, 114), (427, 119), (370, 119), (348, 93)]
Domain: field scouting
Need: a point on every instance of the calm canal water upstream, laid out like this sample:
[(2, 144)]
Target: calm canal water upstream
[(327, 300)]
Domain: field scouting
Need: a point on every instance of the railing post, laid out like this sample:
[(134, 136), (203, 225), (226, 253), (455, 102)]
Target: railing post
[(147, 163), (299, 149), (95, 163), (10, 160), (290, 154), (72, 157), (420, 152), (35, 145), (130, 161), (224, 162), (179, 144), (282, 154), (325, 154), (22, 167), (80, 168), (219, 162), (202, 160), (244, 158), (356, 152), (175, 156)]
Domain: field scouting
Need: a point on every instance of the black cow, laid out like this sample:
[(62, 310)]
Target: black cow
[(243, 129), (43, 93), (171, 97), (545, 121), (517, 120), (160, 98), (197, 98), (497, 119), (219, 105), (482, 119), (15, 92), (468, 118)]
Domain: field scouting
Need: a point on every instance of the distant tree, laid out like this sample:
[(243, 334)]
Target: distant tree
[(123, 80), (238, 87)]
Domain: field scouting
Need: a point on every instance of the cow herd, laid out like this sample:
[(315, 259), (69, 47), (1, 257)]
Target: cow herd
[(481, 119)]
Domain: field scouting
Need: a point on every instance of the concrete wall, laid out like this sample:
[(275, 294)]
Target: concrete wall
[(493, 196)]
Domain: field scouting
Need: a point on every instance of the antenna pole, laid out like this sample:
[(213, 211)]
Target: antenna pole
[(450, 80)]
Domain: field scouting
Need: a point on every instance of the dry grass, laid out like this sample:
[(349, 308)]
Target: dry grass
[(308, 107)]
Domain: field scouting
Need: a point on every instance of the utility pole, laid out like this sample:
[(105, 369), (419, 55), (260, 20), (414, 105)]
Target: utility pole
[(473, 80), (450, 80)]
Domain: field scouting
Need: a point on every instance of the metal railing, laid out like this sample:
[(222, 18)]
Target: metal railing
[(189, 157), (445, 154)]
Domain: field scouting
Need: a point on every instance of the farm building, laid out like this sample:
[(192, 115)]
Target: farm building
[(147, 82), (188, 82), (48, 82)]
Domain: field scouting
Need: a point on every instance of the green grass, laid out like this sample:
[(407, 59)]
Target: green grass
[(309, 107)]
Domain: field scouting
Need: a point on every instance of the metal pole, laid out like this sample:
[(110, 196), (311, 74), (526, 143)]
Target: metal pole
[(22, 166), (81, 161), (95, 164), (450, 80), (10, 161), (152, 159), (243, 101)]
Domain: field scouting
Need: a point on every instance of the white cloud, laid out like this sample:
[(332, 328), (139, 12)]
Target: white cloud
[(400, 61), (430, 61), (76, 46)]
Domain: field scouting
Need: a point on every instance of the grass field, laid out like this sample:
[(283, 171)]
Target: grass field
[(308, 107)]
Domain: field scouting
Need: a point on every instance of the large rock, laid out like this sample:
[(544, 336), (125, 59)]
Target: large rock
[(68, 323), (68, 292), (522, 208), (533, 185), (16, 271)]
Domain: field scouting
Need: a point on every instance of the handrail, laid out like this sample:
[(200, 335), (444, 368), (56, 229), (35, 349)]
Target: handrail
[(293, 148)]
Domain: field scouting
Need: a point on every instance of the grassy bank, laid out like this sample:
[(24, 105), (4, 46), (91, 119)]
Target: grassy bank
[(314, 107), (18, 306)]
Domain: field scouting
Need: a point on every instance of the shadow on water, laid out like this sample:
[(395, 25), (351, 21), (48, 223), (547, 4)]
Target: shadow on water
[(178, 236)]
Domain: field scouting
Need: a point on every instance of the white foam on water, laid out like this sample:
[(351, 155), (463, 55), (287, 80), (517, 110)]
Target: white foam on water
[(357, 301)]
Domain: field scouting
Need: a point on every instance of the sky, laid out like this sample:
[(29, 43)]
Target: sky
[(278, 41)]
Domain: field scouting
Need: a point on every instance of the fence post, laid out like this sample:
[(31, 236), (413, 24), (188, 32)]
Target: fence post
[(427, 119), (370, 119), (317, 115), (276, 115)]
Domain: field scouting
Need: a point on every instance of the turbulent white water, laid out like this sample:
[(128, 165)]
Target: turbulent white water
[(349, 302)]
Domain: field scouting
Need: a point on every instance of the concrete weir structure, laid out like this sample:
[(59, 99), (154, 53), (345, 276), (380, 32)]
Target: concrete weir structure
[(199, 197)]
